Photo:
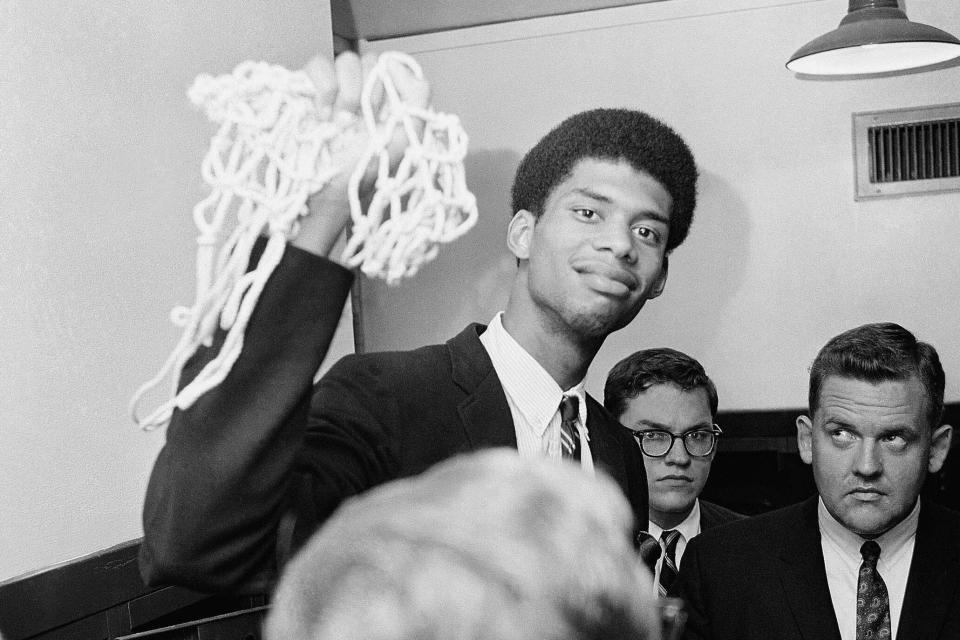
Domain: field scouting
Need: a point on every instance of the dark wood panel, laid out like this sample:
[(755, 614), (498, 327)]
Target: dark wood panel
[(237, 625), (38, 602), (101, 597), (781, 423), (757, 467)]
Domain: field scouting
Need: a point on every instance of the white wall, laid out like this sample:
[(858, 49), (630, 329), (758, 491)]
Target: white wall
[(99, 168), (780, 257)]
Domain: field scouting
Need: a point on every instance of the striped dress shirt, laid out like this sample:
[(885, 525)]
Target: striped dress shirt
[(534, 397)]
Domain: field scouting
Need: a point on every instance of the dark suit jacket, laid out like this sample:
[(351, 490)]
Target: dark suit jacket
[(764, 578), (251, 470), (713, 515)]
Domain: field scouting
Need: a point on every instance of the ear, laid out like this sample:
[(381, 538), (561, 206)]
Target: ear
[(939, 448), (661, 282), (520, 233), (805, 438)]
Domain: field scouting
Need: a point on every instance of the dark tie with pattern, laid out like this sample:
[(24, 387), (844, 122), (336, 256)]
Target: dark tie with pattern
[(668, 568), (569, 435), (873, 604)]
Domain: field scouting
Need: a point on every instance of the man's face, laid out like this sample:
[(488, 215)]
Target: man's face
[(597, 253), (676, 479), (871, 448)]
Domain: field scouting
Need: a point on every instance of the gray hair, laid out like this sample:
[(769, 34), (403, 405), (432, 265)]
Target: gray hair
[(484, 546)]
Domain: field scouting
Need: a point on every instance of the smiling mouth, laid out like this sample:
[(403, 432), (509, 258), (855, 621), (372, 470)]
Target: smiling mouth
[(608, 277)]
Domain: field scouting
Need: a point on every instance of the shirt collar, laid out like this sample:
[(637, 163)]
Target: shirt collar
[(689, 528), (535, 393), (849, 543)]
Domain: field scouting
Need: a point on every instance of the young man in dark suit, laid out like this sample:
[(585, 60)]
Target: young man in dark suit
[(670, 404), (256, 465), (865, 558)]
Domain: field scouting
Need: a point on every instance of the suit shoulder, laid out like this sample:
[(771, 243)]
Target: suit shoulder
[(601, 422), (596, 411), (410, 361), (713, 515), (770, 527), (462, 351), (942, 515)]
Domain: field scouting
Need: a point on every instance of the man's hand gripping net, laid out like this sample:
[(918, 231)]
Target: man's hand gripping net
[(272, 151)]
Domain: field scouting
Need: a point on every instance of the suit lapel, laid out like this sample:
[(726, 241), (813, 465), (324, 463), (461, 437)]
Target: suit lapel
[(604, 449), (706, 516), (804, 579), (484, 410), (934, 577)]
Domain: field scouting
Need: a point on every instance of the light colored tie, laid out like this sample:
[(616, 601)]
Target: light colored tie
[(569, 435), (873, 604), (668, 569)]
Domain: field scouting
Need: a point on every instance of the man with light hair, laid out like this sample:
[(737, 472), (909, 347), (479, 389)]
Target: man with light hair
[(866, 558), (486, 545)]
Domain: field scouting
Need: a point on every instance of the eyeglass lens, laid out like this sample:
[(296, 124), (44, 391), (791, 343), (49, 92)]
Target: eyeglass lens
[(658, 443)]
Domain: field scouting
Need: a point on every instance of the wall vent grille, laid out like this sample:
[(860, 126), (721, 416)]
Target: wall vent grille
[(907, 151)]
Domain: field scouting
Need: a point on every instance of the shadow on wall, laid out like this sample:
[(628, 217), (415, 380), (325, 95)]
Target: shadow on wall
[(706, 272), (711, 264), (468, 282)]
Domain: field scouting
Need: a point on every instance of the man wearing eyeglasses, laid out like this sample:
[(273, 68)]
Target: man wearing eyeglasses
[(666, 398)]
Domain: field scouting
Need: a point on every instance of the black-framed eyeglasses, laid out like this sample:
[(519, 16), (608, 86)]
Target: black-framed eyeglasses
[(698, 442)]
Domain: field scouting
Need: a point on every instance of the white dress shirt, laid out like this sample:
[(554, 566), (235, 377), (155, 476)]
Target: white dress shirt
[(689, 528), (841, 558), (534, 397)]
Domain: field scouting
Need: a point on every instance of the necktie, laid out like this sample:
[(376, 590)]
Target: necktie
[(873, 605), (668, 569), (569, 435), (649, 549)]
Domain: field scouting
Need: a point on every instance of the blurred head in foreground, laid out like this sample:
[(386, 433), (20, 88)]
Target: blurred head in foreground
[(485, 546)]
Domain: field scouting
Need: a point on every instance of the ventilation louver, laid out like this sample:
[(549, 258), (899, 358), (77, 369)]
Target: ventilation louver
[(907, 151)]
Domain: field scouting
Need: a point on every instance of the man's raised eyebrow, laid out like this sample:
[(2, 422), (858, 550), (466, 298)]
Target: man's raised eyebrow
[(837, 422), (898, 430)]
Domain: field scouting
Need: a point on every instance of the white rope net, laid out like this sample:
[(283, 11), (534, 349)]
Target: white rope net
[(271, 152)]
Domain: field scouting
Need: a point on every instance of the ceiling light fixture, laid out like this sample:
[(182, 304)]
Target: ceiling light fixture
[(874, 37)]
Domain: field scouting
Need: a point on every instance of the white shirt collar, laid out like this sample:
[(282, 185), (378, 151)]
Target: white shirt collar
[(534, 392), (689, 528), (841, 557), (849, 543)]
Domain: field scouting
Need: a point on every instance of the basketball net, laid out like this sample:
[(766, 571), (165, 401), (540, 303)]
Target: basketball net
[(273, 149)]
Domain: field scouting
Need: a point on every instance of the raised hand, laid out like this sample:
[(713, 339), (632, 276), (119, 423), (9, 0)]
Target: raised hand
[(340, 86)]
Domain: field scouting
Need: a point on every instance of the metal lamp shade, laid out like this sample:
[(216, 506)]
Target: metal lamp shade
[(874, 37)]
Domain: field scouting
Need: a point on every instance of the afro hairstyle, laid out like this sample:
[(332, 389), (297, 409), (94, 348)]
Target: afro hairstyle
[(615, 134)]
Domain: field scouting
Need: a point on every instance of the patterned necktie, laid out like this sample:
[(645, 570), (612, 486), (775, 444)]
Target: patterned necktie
[(668, 568), (569, 435), (873, 605)]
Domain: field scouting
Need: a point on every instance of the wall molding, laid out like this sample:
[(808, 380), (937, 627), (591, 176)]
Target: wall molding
[(598, 19)]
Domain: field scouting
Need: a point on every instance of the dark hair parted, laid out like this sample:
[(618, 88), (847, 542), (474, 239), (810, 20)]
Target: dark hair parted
[(644, 369), (880, 352), (615, 134)]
